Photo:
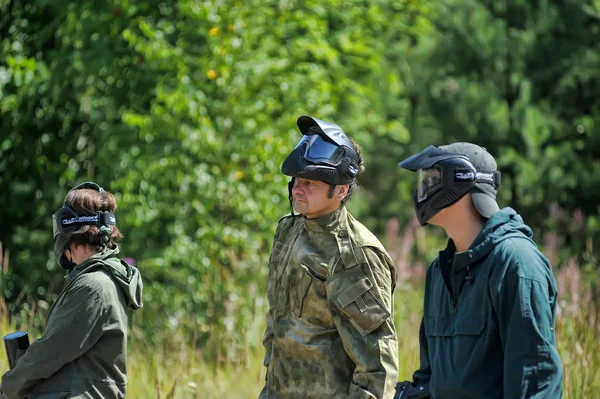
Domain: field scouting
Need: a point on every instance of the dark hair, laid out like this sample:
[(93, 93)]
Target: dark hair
[(87, 202), (353, 185)]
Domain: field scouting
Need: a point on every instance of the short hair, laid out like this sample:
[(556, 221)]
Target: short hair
[(353, 185)]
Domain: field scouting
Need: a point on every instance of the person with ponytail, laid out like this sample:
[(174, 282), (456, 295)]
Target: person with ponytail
[(83, 350)]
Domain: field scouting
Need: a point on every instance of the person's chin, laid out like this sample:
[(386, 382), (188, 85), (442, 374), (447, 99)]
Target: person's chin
[(300, 207)]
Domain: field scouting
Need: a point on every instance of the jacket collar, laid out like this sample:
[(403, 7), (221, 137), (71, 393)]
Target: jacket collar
[(331, 222)]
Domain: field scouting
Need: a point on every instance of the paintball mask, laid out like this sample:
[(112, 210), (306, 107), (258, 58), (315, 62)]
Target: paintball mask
[(324, 153), (446, 174)]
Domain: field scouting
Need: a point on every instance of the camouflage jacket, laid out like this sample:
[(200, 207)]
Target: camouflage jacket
[(330, 330)]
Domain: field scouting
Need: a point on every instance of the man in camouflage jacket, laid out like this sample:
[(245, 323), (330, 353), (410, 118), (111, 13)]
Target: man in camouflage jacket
[(330, 330)]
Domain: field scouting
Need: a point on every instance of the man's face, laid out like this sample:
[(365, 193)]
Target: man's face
[(311, 197)]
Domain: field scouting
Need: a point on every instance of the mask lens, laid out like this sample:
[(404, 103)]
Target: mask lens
[(427, 180), (321, 150), (318, 150), (306, 141)]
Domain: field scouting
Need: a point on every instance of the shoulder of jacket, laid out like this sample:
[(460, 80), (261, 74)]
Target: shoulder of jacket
[(287, 221), (87, 285), (95, 280), (288, 218), (362, 236), (510, 251), (522, 258), (356, 242), (284, 226)]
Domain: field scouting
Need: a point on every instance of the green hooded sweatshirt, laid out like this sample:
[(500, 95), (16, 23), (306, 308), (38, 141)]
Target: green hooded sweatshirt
[(488, 318), (83, 351)]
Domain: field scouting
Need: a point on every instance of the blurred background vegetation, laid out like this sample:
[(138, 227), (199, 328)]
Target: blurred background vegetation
[(186, 109)]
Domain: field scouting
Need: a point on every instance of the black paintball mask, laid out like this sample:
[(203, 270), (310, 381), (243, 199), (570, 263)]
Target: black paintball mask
[(66, 222), (445, 176), (324, 153)]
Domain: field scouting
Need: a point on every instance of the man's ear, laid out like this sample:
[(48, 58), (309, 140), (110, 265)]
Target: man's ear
[(342, 191), (73, 247), (68, 255)]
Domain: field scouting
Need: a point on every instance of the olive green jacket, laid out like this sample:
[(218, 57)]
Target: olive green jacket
[(83, 350)]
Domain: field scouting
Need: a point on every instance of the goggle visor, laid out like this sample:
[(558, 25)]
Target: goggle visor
[(427, 182), (316, 150)]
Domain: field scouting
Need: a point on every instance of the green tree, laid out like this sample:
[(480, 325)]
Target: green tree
[(186, 111), (518, 77)]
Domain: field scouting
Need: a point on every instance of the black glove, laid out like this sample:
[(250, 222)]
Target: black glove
[(406, 390)]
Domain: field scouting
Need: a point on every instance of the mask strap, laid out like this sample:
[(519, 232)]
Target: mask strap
[(491, 178), (85, 185), (290, 197)]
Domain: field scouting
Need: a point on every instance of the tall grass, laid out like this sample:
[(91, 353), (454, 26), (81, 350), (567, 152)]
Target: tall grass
[(175, 369), (168, 365), (159, 373)]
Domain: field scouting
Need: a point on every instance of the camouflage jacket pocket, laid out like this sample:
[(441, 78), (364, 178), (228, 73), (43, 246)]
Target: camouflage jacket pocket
[(360, 304), (312, 299)]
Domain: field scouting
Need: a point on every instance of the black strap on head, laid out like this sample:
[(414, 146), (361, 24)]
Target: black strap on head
[(290, 196), (99, 219), (492, 178), (85, 185)]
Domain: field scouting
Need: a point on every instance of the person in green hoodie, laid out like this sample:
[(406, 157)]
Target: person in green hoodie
[(490, 296), (83, 350)]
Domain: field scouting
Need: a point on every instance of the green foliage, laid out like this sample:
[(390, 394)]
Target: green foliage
[(519, 78), (186, 110)]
